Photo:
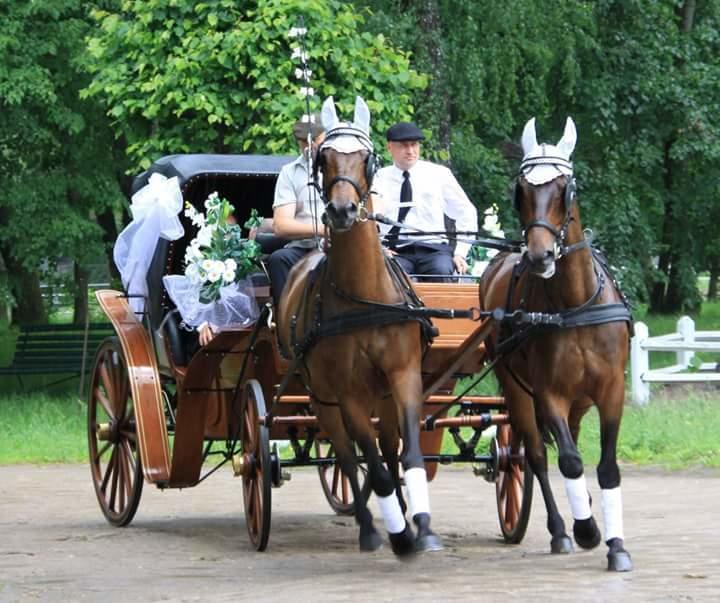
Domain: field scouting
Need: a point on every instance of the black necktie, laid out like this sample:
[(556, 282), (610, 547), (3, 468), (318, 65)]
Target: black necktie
[(405, 198)]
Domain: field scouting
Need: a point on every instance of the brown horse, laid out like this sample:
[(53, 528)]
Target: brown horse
[(351, 352), (550, 375)]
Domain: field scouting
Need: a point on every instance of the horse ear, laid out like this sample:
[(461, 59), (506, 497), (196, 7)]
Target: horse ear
[(529, 138), (567, 143), (328, 114), (361, 120)]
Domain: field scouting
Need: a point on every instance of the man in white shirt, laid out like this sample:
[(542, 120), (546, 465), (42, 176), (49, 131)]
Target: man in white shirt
[(419, 194), (297, 208)]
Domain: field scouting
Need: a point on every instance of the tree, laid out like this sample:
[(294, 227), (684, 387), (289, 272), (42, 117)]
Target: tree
[(56, 153), (219, 76)]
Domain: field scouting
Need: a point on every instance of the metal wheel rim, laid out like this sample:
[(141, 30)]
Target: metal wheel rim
[(257, 481), (115, 463)]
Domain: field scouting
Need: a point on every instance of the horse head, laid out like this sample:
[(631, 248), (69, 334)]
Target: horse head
[(544, 197), (347, 161)]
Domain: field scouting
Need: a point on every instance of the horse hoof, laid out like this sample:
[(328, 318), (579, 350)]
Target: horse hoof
[(428, 542), (403, 543), (586, 533), (619, 561), (618, 558), (370, 542), (561, 545)]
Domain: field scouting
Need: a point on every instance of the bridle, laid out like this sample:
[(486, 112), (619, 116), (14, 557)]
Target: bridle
[(370, 169), (560, 249)]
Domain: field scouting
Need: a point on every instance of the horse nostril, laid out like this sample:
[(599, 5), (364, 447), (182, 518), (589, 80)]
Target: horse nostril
[(548, 255)]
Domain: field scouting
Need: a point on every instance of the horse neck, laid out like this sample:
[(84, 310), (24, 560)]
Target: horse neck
[(356, 263), (576, 273)]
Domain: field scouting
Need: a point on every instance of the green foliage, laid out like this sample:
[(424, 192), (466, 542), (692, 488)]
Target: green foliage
[(57, 166), (218, 76)]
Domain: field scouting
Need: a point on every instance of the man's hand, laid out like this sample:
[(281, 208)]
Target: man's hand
[(460, 264)]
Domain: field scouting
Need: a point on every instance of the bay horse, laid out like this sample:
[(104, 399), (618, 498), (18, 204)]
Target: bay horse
[(340, 317), (551, 374)]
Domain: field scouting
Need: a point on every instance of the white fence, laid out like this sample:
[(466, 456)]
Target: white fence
[(685, 342)]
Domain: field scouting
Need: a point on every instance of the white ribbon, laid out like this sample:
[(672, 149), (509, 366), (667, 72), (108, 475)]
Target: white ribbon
[(155, 209)]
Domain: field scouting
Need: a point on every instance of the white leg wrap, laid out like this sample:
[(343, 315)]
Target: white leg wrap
[(578, 497), (612, 513), (392, 513), (417, 491)]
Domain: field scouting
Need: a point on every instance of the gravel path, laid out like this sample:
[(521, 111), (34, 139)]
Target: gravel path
[(191, 545)]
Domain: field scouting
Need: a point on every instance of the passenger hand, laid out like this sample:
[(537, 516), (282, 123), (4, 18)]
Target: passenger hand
[(460, 264), (206, 334)]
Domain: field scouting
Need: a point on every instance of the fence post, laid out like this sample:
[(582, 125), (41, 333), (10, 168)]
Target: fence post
[(639, 365), (686, 330)]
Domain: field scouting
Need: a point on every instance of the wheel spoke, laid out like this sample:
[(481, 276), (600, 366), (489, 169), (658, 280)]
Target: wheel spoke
[(335, 476), (114, 482), (345, 483), (122, 479), (102, 451), (108, 472), (104, 402), (106, 379)]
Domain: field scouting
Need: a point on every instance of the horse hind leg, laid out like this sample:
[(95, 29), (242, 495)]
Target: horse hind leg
[(608, 473)]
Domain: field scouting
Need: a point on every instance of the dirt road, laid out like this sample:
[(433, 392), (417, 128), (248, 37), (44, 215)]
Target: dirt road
[(192, 545)]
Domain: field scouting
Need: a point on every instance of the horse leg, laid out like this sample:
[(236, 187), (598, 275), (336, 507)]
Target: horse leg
[(389, 439), (608, 474), (360, 429), (585, 530), (521, 409), (331, 421), (406, 393), (370, 539)]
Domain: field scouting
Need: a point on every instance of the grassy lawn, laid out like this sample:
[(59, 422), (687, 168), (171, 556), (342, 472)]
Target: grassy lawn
[(678, 428)]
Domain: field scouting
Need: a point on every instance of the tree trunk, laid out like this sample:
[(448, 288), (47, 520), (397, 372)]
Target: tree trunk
[(30, 308), (712, 292), (80, 302), (430, 58), (658, 300), (106, 220)]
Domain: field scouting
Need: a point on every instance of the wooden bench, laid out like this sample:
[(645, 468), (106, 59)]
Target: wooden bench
[(56, 349)]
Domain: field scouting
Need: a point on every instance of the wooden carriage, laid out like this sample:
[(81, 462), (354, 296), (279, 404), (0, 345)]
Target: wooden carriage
[(166, 411)]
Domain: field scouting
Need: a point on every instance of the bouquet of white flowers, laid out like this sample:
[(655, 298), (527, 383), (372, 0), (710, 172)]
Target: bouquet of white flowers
[(218, 260), (479, 257), (219, 255)]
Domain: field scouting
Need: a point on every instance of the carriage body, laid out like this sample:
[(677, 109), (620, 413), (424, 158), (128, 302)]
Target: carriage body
[(162, 407)]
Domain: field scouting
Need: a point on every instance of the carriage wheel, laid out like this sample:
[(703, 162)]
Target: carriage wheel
[(335, 485), (112, 438), (513, 485), (256, 473)]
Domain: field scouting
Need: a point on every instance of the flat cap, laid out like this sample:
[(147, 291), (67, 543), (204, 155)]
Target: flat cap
[(404, 130), (305, 125)]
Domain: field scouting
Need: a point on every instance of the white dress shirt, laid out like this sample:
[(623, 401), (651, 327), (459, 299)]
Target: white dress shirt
[(293, 186), (435, 192)]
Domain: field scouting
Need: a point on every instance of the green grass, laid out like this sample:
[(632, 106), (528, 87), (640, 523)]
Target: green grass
[(42, 429)]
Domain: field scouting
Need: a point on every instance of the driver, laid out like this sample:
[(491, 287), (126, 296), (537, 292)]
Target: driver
[(297, 208), (420, 193)]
